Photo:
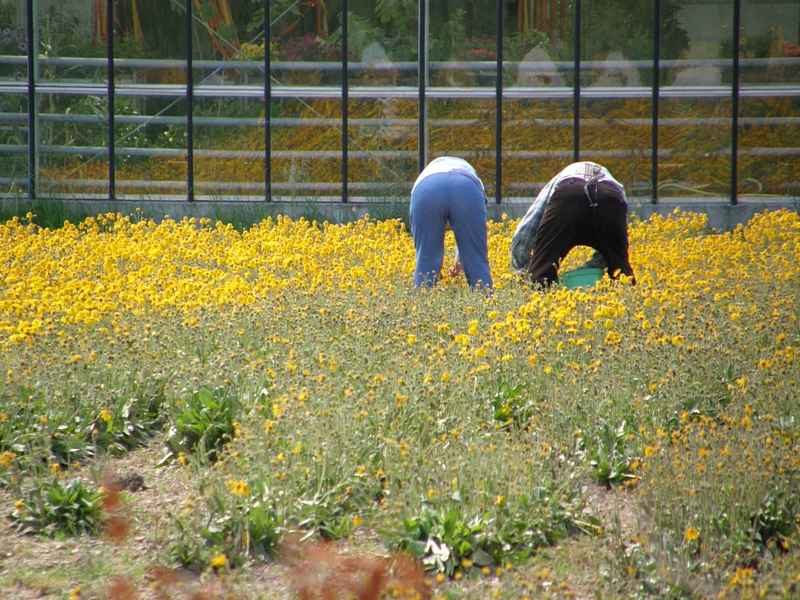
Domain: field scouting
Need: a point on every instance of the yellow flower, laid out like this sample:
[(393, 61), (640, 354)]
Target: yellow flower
[(357, 521), (105, 415), (445, 376), (239, 487), (6, 457), (691, 534), (219, 561)]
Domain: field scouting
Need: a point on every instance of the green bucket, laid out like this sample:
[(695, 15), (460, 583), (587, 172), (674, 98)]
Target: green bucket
[(580, 278)]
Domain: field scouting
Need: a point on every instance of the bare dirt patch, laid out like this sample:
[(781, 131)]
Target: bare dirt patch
[(37, 567), (34, 567)]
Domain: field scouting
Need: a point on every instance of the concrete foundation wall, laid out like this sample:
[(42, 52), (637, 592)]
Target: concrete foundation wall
[(722, 216)]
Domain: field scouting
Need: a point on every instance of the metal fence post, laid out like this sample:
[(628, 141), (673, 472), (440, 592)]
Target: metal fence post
[(267, 106), (345, 90), (576, 88), (422, 71), (112, 183), (189, 106), (498, 176), (735, 104), (656, 93), (33, 125)]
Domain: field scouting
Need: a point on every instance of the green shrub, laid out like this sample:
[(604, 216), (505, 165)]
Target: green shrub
[(202, 423), (55, 507)]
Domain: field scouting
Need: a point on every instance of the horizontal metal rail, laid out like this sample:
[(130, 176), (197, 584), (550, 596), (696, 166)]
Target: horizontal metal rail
[(300, 188), (371, 155), (393, 122), (487, 66), (143, 184), (403, 92)]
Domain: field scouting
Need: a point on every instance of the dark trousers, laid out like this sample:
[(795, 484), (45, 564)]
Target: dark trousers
[(570, 219)]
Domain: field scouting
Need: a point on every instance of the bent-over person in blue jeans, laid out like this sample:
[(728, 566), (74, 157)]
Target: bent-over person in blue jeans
[(449, 194)]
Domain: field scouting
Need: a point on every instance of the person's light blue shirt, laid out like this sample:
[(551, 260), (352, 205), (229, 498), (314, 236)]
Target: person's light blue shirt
[(450, 164)]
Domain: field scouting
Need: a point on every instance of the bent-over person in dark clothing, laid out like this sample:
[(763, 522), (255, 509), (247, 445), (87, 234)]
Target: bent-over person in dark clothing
[(581, 206)]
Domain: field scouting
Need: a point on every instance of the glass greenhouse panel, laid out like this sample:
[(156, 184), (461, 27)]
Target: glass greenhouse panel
[(769, 147), (616, 101), (537, 144), (694, 148), (14, 173), (305, 54), (14, 131), (228, 102), (13, 44), (769, 127), (538, 96), (461, 105), (383, 108), (695, 108), (72, 142)]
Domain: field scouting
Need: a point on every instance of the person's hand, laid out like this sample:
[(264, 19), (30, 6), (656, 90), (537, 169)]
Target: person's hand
[(456, 269)]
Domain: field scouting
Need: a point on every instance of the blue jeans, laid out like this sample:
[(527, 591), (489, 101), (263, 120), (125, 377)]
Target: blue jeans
[(455, 197)]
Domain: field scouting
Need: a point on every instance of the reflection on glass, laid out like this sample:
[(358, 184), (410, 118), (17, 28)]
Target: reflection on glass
[(537, 69), (228, 106), (695, 109), (695, 142), (13, 107), (769, 128), (72, 144), (769, 147), (306, 146), (382, 128), (150, 107), (537, 144)]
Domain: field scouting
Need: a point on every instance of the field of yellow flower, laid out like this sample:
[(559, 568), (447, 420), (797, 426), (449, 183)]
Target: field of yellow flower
[(290, 368)]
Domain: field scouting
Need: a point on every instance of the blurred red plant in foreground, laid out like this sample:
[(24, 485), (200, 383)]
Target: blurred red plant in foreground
[(321, 572)]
